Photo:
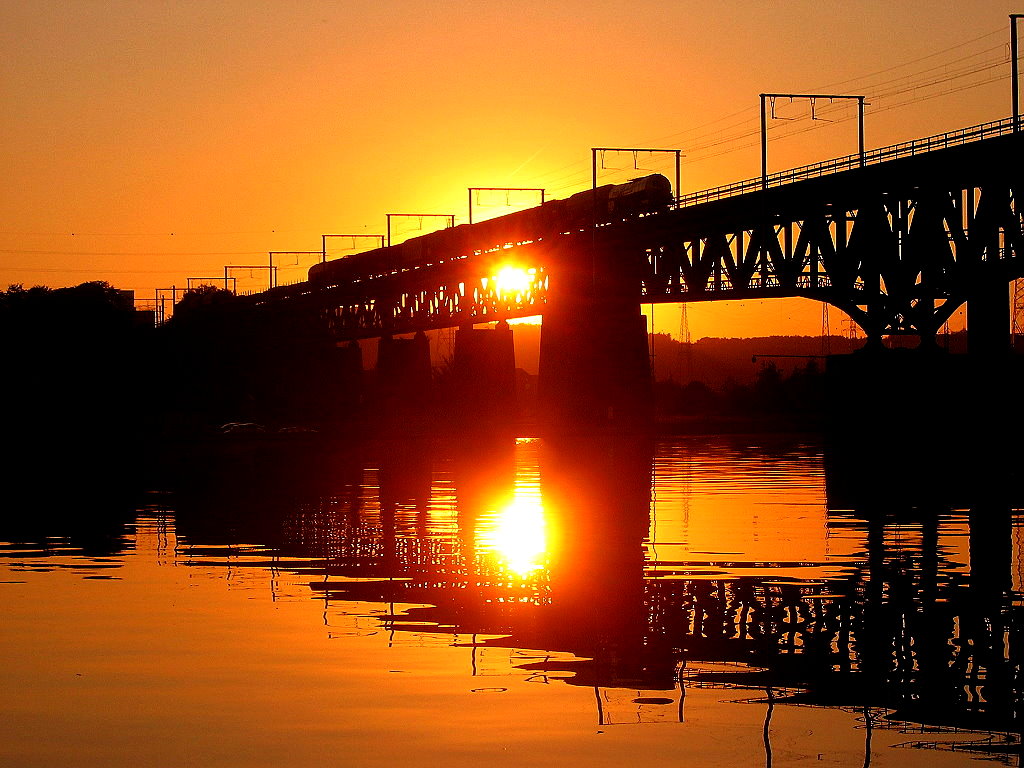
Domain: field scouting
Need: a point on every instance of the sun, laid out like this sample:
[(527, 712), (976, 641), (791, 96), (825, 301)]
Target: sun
[(511, 280)]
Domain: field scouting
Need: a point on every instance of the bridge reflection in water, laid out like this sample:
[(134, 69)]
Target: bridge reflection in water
[(644, 569)]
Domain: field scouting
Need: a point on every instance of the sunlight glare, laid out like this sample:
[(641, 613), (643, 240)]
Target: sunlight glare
[(518, 534), (512, 280)]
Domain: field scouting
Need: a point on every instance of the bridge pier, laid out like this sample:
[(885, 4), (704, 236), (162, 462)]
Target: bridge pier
[(402, 386), (482, 392), (988, 318), (595, 369), (348, 378), (991, 547)]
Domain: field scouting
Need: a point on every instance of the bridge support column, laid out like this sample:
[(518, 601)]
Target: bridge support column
[(482, 392), (348, 381), (402, 386), (991, 547), (988, 318), (595, 372)]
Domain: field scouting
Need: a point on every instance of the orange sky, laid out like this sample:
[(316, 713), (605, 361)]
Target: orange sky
[(148, 142)]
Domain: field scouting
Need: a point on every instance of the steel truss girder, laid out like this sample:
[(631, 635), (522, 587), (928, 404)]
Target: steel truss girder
[(459, 293), (898, 246)]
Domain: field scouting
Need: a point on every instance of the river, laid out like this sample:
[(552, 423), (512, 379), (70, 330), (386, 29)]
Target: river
[(739, 601)]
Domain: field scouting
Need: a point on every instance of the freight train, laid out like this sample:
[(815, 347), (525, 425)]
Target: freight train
[(607, 204)]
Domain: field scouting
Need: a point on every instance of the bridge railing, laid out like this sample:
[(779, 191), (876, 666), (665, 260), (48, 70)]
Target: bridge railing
[(879, 155)]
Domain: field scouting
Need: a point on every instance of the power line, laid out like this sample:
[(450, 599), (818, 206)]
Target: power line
[(906, 83), (915, 61), (93, 270), (175, 233), (131, 253)]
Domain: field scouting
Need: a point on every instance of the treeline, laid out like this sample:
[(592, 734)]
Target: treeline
[(772, 401), (227, 360), (716, 361), (78, 368), (76, 359)]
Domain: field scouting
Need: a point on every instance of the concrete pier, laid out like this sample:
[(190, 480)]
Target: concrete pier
[(348, 381), (481, 387), (988, 318), (595, 372), (402, 382)]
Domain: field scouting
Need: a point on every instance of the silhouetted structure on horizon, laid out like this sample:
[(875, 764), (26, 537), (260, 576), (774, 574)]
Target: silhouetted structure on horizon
[(898, 239)]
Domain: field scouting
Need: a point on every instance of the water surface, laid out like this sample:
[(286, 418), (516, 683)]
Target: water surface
[(520, 603)]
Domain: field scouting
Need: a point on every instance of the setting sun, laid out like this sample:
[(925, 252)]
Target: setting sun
[(511, 280)]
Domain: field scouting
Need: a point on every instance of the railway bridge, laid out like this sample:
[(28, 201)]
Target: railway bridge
[(898, 238)]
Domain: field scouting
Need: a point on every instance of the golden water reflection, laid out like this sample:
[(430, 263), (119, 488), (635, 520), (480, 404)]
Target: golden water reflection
[(514, 533), (517, 534), (512, 602)]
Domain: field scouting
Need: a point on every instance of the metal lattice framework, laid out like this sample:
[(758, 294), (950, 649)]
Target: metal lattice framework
[(898, 246), (436, 304), (457, 293)]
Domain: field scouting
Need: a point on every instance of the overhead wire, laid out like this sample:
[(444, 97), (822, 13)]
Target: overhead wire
[(756, 141), (911, 62), (876, 91), (905, 85), (93, 270), (741, 130), (752, 111), (128, 253), (734, 134)]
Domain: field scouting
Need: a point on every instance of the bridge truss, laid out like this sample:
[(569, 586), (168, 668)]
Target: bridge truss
[(898, 246)]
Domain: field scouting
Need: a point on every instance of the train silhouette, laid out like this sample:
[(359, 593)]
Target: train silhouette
[(604, 205)]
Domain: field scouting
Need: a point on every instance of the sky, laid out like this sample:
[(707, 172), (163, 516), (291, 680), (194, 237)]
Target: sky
[(153, 143)]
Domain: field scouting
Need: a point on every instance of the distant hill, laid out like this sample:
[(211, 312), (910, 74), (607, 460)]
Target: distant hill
[(712, 361), (715, 361)]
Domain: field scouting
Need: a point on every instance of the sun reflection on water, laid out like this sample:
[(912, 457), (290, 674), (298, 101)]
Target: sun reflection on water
[(516, 533)]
